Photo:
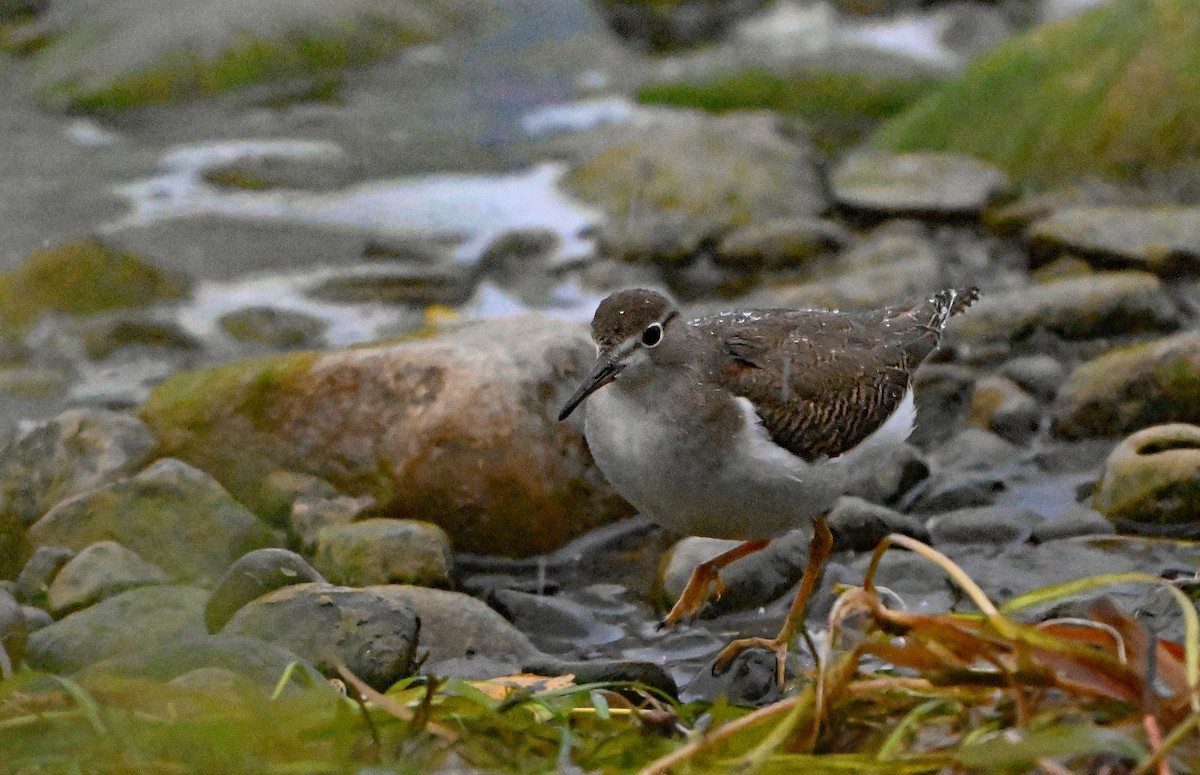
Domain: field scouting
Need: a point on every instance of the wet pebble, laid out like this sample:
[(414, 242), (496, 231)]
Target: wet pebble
[(385, 551), (34, 579), (1081, 520), (858, 525), (1000, 405), (554, 624), (940, 184), (310, 514), (253, 575), (976, 449), (984, 525), (278, 329), (1039, 375), (100, 570)]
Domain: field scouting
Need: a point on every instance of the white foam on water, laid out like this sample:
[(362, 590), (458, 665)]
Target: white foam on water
[(919, 37), (578, 116), (477, 207)]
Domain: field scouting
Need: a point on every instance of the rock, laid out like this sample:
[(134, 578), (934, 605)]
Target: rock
[(894, 264), (666, 26), (942, 392), (105, 335), (750, 582), (465, 638), (280, 329), (952, 490), (1039, 375), (1163, 240), (675, 179), (554, 624), (97, 57), (402, 422), (14, 632), (1153, 476), (281, 489), (998, 404), (385, 551), (34, 383), (858, 525), (887, 480), (78, 450), (784, 243), (374, 635), (984, 525), (16, 10), (1079, 521), (937, 184), (43, 566), (79, 278), (253, 575), (100, 570), (173, 515), (1130, 388), (311, 515), (976, 449), (36, 618), (140, 619), (1099, 305), (1049, 129), (313, 172), (263, 663), (523, 263), (418, 285)]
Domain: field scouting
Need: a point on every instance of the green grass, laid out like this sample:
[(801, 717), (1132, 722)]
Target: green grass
[(842, 108), (1115, 92)]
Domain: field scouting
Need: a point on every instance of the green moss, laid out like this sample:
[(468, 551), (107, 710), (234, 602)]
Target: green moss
[(1115, 91), (236, 178), (213, 419), (186, 75), (841, 107), (80, 278)]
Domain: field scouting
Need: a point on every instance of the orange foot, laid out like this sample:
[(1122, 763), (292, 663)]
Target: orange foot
[(707, 574)]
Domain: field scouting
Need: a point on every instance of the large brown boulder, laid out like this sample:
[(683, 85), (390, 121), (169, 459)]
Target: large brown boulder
[(458, 429)]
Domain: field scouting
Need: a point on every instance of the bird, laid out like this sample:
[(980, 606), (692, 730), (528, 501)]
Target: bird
[(748, 424)]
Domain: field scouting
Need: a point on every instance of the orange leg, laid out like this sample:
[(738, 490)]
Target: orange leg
[(696, 592), (819, 548)]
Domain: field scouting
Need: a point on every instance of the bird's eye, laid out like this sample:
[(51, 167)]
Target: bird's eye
[(652, 335)]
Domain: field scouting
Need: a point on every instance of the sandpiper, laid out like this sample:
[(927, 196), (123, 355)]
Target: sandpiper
[(747, 424)]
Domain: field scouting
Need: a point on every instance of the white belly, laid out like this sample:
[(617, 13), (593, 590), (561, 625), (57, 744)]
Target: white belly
[(742, 486)]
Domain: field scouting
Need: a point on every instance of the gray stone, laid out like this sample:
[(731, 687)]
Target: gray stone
[(279, 329), (173, 515), (105, 335), (976, 449), (1153, 476), (263, 663), (385, 551), (859, 526), (36, 618), (100, 570), (1096, 305), (34, 580), (282, 489), (523, 263), (312, 514), (984, 525), (1079, 521), (1130, 388), (677, 178), (942, 392), (76, 451), (373, 634), (1039, 375), (916, 183), (784, 243), (253, 575), (1000, 405), (418, 285), (1164, 239), (680, 24), (953, 490), (14, 632), (139, 619), (891, 477), (554, 624)]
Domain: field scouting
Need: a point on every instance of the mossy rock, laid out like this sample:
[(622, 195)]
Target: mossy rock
[(120, 55), (841, 108), (79, 278), (1114, 91), (1153, 476)]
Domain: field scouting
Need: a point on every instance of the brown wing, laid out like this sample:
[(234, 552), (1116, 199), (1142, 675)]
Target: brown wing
[(822, 381)]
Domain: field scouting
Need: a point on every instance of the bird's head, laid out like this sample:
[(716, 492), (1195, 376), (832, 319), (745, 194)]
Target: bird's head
[(632, 329)]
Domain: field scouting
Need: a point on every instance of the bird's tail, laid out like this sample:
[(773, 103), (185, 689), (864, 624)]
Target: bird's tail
[(948, 303)]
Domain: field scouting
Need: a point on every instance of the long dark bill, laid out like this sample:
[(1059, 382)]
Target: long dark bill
[(605, 371)]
